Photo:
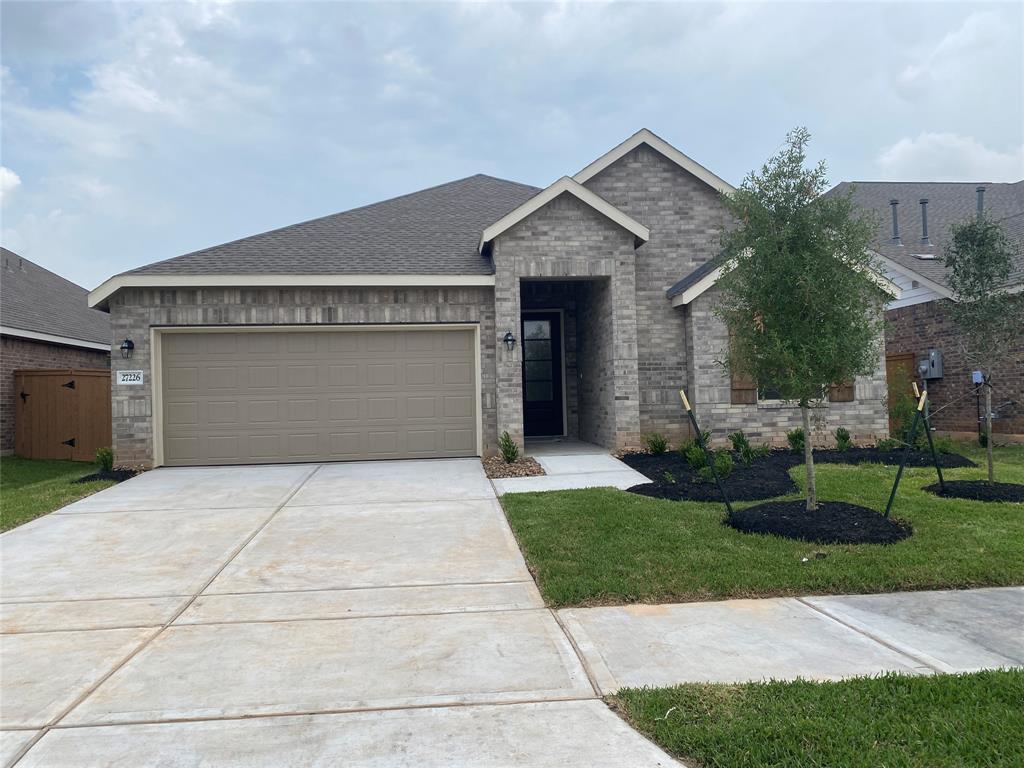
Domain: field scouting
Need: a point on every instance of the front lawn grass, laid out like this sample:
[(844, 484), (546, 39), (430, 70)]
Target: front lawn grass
[(892, 721), (603, 546), (32, 487)]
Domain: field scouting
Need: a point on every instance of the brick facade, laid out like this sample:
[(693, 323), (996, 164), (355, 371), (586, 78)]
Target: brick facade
[(17, 354), (920, 327), (568, 239), (710, 392), (685, 217), (134, 311)]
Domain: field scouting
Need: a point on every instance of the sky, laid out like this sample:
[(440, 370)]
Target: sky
[(134, 132)]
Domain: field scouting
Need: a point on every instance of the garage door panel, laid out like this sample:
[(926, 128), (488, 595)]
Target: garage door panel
[(309, 395)]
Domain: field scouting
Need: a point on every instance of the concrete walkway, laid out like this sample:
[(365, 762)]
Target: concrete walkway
[(820, 638), (359, 614), (570, 465)]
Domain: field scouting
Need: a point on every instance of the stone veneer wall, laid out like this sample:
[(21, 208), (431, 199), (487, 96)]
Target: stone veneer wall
[(567, 239), (17, 354), (133, 311), (866, 417), (919, 327), (685, 217)]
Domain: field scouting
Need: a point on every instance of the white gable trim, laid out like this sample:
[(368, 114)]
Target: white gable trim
[(67, 341), (562, 186), (644, 136), (98, 297), (708, 281), (895, 266)]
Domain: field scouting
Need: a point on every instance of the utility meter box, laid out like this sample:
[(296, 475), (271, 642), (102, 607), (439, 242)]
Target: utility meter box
[(934, 361)]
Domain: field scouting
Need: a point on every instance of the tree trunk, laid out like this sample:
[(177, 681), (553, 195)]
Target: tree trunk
[(812, 487), (988, 433)]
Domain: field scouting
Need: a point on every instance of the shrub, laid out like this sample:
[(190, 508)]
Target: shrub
[(902, 412), (723, 468), (668, 477), (944, 444), (105, 458), (843, 441), (509, 449), (888, 444), (795, 438), (747, 455), (656, 443), (695, 457), (739, 441), (763, 450)]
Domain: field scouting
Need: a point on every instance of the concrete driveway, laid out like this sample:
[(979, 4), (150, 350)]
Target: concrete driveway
[(366, 614)]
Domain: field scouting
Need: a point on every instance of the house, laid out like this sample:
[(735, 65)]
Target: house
[(45, 322), (429, 324), (915, 219)]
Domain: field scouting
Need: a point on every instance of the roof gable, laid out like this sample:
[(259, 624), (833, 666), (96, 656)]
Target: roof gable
[(655, 142), (564, 185)]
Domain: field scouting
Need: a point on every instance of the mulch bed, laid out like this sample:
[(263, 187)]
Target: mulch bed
[(834, 522), (979, 490), (117, 475), (496, 467), (766, 477)]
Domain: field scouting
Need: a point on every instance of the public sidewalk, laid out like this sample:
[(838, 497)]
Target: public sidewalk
[(819, 638)]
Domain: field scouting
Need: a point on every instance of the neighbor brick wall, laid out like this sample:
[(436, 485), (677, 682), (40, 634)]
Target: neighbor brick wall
[(685, 217), (710, 393), (568, 239), (133, 311), (17, 354), (920, 327)]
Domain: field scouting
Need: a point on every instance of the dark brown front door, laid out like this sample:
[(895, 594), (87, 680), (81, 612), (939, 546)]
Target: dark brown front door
[(899, 371), (542, 374)]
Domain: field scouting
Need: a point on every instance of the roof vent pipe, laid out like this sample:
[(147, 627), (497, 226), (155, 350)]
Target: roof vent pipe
[(924, 222), (981, 201), (895, 224)]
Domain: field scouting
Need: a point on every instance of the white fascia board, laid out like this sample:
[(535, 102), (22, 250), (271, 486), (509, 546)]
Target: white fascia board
[(644, 136), (709, 280), (99, 296), (895, 266), (67, 341), (545, 196)]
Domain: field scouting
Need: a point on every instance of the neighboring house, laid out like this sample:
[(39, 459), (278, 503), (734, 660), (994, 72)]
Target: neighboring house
[(429, 324), (45, 322), (915, 220)]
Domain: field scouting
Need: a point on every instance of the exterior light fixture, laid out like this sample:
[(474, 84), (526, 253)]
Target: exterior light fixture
[(127, 346), (510, 341)]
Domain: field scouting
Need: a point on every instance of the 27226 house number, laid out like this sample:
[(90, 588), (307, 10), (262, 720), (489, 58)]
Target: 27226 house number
[(129, 377)]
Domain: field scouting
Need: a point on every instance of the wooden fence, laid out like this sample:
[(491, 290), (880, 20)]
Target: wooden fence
[(61, 414)]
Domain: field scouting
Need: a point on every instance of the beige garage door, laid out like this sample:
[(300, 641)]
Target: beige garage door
[(279, 396)]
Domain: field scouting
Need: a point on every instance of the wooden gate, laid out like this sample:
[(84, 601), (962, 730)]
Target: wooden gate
[(61, 414)]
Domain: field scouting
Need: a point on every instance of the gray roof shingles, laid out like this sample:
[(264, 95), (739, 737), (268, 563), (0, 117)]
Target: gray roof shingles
[(435, 231), (948, 203), (35, 299)]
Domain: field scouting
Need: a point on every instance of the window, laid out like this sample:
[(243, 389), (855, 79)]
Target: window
[(768, 392)]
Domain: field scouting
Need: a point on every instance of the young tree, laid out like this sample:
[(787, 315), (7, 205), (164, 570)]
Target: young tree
[(799, 293), (979, 258)]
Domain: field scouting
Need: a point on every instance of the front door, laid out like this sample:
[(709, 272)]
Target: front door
[(900, 372), (542, 374)]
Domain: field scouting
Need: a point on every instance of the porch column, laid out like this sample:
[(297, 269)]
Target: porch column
[(508, 364), (625, 356)]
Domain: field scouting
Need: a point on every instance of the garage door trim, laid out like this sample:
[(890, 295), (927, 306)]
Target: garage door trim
[(156, 360)]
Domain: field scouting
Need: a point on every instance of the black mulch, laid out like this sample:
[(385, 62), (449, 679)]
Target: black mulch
[(766, 477), (117, 475), (834, 522), (979, 490)]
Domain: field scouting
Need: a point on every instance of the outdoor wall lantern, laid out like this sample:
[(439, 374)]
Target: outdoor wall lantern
[(510, 341), (126, 348)]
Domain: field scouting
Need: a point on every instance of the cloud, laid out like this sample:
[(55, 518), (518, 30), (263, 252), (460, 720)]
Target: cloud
[(949, 157), (9, 181)]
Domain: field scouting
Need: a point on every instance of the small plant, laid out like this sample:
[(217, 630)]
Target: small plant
[(739, 442), (902, 412), (105, 458), (509, 449), (795, 438), (764, 449), (888, 444), (747, 455), (656, 443), (668, 477), (695, 457), (843, 441), (944, 444), (723, 468)]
